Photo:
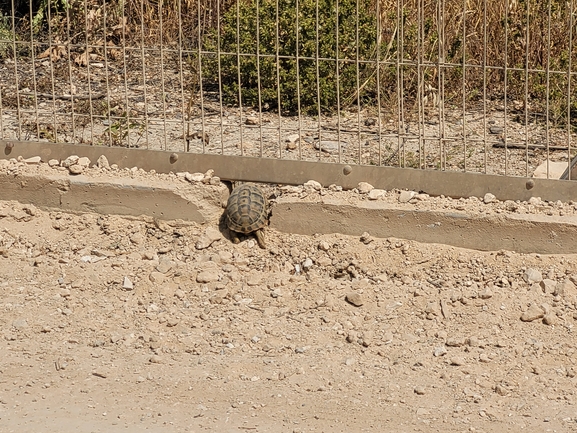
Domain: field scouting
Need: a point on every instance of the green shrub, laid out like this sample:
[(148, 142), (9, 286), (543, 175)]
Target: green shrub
[(286, 69)]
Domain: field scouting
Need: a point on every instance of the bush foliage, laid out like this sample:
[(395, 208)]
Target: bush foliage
[(293, 80)]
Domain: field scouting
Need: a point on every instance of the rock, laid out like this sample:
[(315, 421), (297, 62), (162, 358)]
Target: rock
[(194, 177), (487, 293), (548, 286), (354, 299), (53, 163), (164, 266), (207, 276), (350, 361), (33, 160), (370, 121), (209, 236), (364, 187), (534, 312), (76, 169), (565, 288), (489, 198), (156, 277), (439, 351), (71, 160), (405, 196), (19, 324), (307, 264), (549, 318), (551, 170), (127, 284), (419, 390), (328, 146), (532, 276), (324, 246), (313, 184), (102, 163), (366, 238), (251, 120), (254, 279), (375, 194), (137, 238), (501, 390), (292, 141), (495, 129), (457, 361), (455, 341), (83, 162), (155, 359)]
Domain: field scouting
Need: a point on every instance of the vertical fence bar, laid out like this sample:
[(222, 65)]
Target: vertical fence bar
[(378, 83), (297, 61), (107, 83), (464, 89), (400, 84), (52, 46), (505, 82), (16, 79), (526, 96), (548, 84), (70, 75), (338, 82), (200, 79), (569, 64), (420, 82), (219, 62), (239, 76), (162, 86), (34, 74), (441, 75), (126, 111), (258, 78), (317, 78), (485, 144), (278, 95), (358, 78), (144, 82)]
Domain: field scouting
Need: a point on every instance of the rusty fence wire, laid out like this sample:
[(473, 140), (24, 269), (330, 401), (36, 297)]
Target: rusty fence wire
[(462, 85)]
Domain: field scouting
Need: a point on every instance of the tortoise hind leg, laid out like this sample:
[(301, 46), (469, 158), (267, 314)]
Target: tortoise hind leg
[(234, 237), (260, 238)]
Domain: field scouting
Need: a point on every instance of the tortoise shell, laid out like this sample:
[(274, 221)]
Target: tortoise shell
[(246, 210)]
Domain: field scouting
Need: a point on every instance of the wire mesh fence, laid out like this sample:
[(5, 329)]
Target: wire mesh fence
[(465, 85)]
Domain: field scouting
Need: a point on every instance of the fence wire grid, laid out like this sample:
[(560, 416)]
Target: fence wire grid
[(463, 85)]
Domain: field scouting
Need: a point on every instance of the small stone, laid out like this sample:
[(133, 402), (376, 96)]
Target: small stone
[(419, 390), (164, 266), (549, 318), (71, 160), (100, 373), (292, 141), (370, 121), (194, 177), (155, 359), (19, 324), (495, 129), (366, 238), (53, 163), (251, 120), (455, 341), (350, 361), (489, 198), (534, 312), (307, 264), (375, 194), (172, 322), (137, 238), (486, 294), (354, 299), (33, 160), (76, 169), (254, 279), (440, 351), (406, 196), (548, 286), (457, 361), (207, 276), (102, 163), (501, 390), (565, 288), (328, 146), (483, 357), (209, 236), (156, 277), (313, 184), (364, 187), (324, 246), (127, 284), (532, 276), (83, 162)]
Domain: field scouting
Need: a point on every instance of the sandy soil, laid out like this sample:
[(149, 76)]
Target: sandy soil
[(115, 324)]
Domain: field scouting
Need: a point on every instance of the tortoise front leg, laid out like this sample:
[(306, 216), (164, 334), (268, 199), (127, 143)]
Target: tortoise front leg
[(260, 238), (234, 237)]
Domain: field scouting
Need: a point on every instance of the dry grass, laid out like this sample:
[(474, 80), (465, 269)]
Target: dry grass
[(452, 40)]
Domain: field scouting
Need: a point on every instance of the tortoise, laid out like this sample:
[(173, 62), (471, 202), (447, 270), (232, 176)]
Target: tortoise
[(246, 212)]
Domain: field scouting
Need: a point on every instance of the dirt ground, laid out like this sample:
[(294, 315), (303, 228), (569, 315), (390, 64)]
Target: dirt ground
[(129, 324)]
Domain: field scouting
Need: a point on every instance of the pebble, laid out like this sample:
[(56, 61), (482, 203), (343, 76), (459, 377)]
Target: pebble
[(207, 276), (307, 264), (127, 284), (209, 236), (155, 359), (19, 324), (53, 163), (366, 238), (406, 196), (76, 169), (194, 177), (313, 184), (350, 361), (84, 162), (354, 299), (164, 266), (419, 390), (156, 277), (324, 246), (370, 121), (532, 276), (548, 286), (329, 146), (33, 160), (254, 279), (495, 129), (364, 187), (549, 318), (534, 312), (457, 361), (489, 198), (440, 351), (564, 288), (71, 160), (375, 194), (251, 120), (102, 163)]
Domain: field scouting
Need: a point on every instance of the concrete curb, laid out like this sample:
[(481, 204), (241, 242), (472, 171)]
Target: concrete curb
[(202, 204), (520, 233), (120, 196)]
